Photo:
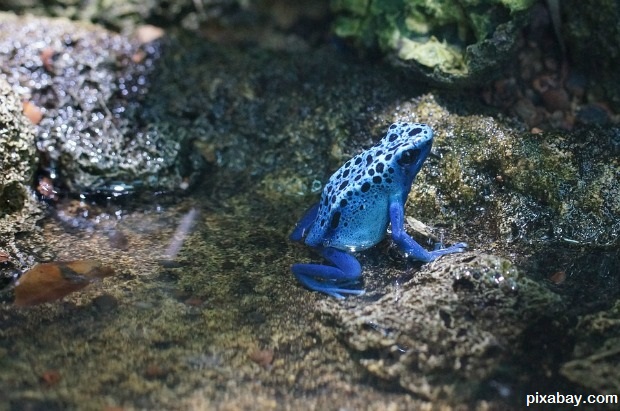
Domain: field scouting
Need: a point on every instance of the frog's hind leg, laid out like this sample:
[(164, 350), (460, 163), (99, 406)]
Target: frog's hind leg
[(328, 279)]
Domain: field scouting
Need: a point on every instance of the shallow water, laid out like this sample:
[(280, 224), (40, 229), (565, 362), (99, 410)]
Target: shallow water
[(221, 324)]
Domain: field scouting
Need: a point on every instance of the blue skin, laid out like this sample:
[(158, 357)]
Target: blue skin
[(358, 202)]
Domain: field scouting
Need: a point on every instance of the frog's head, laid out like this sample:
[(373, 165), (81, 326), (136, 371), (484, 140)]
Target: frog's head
[(409, 144)]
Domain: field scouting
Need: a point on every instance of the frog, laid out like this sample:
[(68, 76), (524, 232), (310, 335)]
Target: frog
[(365, 196)]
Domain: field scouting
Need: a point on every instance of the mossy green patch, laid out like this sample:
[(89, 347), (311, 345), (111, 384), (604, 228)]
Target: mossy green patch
[(539, 167), (451, 38)]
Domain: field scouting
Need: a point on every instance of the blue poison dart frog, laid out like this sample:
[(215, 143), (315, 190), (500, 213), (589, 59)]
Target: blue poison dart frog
[(358, 202)]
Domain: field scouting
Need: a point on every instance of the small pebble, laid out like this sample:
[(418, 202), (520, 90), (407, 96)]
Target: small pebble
[(154, 371), (528, 112), (148, 33), (47, 58), (118, 240), (592, 114), (558, 277), (34, 113), (50, 378), (105, 302), (46, 189), (556, 99), (261, 357), (194, 301)]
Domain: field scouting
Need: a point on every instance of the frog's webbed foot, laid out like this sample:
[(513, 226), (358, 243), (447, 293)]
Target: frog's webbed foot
[(409, 246), (416, 252), (334, 281), (440, 250)]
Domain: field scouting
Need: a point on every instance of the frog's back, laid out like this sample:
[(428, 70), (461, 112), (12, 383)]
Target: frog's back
[(353, 212)]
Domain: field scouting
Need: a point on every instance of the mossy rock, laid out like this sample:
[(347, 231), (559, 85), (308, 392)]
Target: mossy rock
[(19, 210), (447, 42)]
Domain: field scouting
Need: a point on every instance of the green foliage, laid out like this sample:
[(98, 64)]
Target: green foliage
[(434, 34)]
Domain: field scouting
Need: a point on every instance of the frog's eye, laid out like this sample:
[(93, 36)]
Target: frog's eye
[(408, 157)]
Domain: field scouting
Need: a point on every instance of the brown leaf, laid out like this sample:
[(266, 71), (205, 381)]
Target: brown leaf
[(52, 281)]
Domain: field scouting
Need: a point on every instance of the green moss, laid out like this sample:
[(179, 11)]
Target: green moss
[(437, 35), (456, 314), (541, 169)]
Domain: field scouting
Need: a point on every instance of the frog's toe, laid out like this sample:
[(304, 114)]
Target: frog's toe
[(458, 247), (454, 248), (333, 290), (438, 252), (344, 278)]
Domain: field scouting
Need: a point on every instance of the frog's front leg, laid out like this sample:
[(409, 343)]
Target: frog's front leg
[(305, 223), (408, 245), (331, 280)]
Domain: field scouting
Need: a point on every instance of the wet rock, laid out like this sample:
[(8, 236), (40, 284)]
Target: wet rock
[(546, 189), (125, 14), (449, 330), (19, 211), (92, 136), (17, 150)]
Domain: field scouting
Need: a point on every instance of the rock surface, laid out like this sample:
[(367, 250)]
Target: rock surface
[(452, 331), (19, 210), (94, 134)]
